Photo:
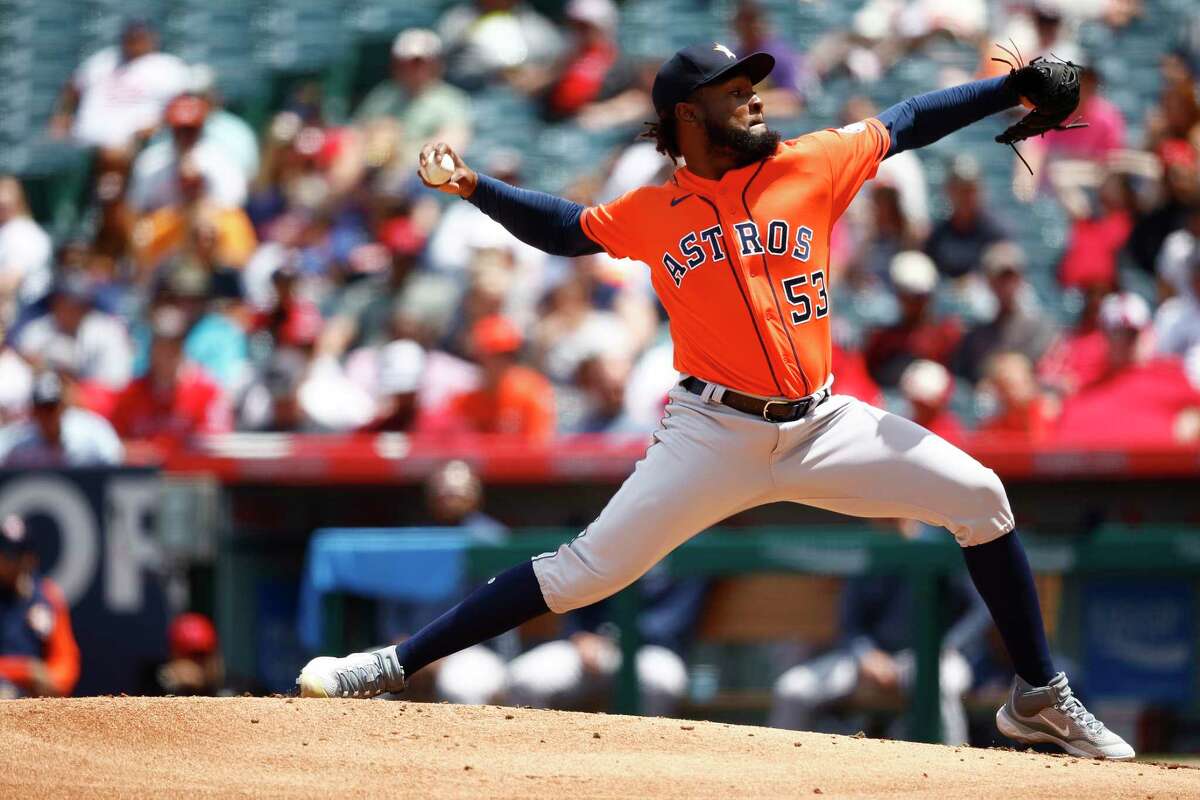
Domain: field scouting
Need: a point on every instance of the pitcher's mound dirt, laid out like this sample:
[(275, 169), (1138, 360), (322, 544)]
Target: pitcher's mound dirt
[(276, 747)]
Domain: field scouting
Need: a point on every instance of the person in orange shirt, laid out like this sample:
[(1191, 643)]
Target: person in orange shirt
[(737, 242), (222, 235), (38, 653), (512, 398)]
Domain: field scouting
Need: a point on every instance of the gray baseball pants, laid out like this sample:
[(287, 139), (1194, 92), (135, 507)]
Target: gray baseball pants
[(708, 462)]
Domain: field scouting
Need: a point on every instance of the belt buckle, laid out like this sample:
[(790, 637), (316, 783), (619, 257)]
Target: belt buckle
[(767, 405)]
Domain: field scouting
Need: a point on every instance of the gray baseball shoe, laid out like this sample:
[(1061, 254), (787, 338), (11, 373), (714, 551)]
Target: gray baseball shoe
[(357, 675), (1053, 714)]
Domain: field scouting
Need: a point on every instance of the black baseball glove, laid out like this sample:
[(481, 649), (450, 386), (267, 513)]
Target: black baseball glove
[(1053, 89)]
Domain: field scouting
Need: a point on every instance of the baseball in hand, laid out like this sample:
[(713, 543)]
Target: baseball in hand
[(438, 170)]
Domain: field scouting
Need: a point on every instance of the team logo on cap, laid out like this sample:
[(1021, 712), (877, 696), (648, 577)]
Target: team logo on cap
[(720, 48), (40, 619), (13, 529)]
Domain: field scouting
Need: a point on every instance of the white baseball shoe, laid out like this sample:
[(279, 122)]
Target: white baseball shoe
[(357, 675), (1052, 714)]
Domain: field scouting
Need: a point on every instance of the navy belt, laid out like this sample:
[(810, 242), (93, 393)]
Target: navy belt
[(770, 410)]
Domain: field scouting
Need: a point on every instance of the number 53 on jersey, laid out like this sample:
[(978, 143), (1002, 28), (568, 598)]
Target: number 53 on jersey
[(804, 311)]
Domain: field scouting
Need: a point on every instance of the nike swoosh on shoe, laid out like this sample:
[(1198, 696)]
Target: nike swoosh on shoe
[(1064, 731)]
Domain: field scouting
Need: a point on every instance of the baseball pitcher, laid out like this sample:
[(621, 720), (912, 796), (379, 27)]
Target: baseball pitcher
[(737, 243)]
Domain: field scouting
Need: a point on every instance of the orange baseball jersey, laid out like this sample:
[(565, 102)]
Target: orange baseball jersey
[(741, 264)]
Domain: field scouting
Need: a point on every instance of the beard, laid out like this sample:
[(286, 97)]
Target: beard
[(746, 146)]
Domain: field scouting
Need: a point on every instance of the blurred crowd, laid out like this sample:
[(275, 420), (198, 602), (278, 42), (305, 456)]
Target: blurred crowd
[(300, 278)]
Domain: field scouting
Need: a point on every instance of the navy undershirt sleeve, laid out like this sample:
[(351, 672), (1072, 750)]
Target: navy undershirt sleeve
[(924, 119), (549, 223)]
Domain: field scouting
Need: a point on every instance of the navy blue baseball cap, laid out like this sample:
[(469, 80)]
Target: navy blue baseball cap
[(699, 65)]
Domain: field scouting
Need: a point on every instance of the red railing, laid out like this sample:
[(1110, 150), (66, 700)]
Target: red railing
[(397, 458)]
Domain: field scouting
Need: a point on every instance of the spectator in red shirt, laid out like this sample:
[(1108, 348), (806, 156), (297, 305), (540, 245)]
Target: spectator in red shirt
[(851, 376), (1106, 124), (511, 398), (175, 399), (928, 387), (919, 333), (195, 667), (1022, 411), (293, 321), (1080, 357), (1140, 398), (1105, 134), (593, 55), (1097, 235)]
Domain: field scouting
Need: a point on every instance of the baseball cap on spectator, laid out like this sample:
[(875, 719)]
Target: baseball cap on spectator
[(401, 364), (187, 280), (417, 43), (134, 25), (601, 14), (202, 79), (74, 286), (456, 478), (1124, 311), (913, 273), (47, 390), (1003, 257), (504, 164), (191, 634), (285, 126), (286, 271), (322, 146), (495, 335), (1046, 9), (964, 168), (925, 381), (402, 236), (14, 538), (169, 322), (700, 65), (186, 111)]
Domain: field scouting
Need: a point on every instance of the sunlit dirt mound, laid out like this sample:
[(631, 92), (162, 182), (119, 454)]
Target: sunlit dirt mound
[(280, 747)]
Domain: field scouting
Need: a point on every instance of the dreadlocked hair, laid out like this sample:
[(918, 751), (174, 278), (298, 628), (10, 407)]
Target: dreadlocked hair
[(663, 134)]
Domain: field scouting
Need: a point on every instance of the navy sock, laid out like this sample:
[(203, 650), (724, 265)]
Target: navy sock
[(501, 604), (1001, 574)]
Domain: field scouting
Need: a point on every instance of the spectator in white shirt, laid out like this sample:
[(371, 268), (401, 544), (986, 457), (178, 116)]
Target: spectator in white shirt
[(16, 384), (77, 339), (223, 129), (25, 252), (116, 97), (154, 182), (1177, 253), (58, 434), (1177, 321)]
